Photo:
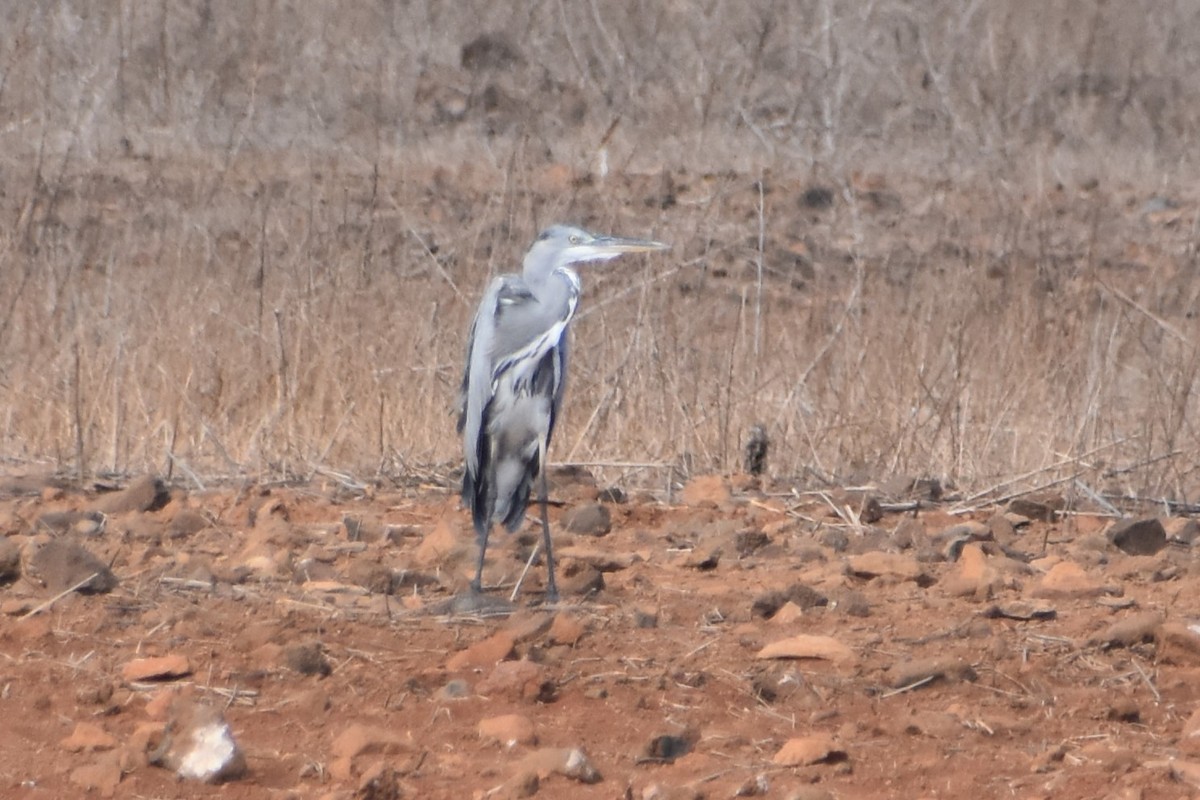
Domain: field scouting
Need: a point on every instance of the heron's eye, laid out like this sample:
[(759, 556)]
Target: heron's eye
[(575, 238)]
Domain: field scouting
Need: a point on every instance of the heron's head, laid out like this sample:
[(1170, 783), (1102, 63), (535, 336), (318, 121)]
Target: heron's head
[(562, 245)]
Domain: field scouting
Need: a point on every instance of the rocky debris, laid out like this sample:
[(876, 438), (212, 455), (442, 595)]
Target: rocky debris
[(749, 541), (1182, 530), (1043, 510), (566, 629), (441, 547), (890, 565), (825, 648), (10, 560), (1067, 579), (1179, 642), (807, 750), (79, 523), (927, 670), (666, 748), (88, 737), (61, 565), (1129, 630), (706, 491), (569, 761), (1138, 537), (101, 775), (593, 519), (158, 668), (380, 781), (518, 681), (483, 653), (147, 493), (508, 730), (198, 744), (602, 560), (973, 576), (804, 597), (307, 658)]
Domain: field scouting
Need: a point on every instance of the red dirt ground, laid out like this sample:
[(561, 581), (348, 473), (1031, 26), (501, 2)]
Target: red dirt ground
[(924, 687)]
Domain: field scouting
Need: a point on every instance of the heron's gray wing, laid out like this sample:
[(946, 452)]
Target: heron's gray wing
[(476, 392)]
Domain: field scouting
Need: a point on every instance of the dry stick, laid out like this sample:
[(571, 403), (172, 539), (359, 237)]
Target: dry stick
[(59, 596), (512, 598), (1157, 320), (908, 688), (1013, 495), (1047, 468), (1146, 678)]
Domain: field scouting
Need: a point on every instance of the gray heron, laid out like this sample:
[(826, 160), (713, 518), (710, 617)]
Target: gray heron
[(512, 387)]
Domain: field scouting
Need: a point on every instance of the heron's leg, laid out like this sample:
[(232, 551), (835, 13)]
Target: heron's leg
[(481, 535), (551, 586)]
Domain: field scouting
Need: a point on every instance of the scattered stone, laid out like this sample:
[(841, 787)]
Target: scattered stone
[(88, 737), (768, 603), (825, 648), (518, 680), (380, 781), (566, 629), (10, 560), (1067, 579), (666, 748), (526, 625), (602, 560), (928, 670), (836, 540), (807, 750), (440, 547), (568, 761), (1186, 772), (359, 740), (788, 613), (198, 745), (159, 668), (1002, 529), (645, 617), (850, 602), (508, 730), (1183, 530), (877, 564), (60, 565), (748, 542), (1178, 641), (1129, 631), (1138, 537), (101, 776), (1032, 509), (579, 579), (484, 653), (372, 576), (706, 491), (973, 576), (307, 658), (592, 519), (80, 523), (147, 493), (704, 557), (1023, 612)]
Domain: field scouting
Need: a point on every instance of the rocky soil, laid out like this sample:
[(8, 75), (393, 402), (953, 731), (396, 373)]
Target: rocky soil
[(732, 640)]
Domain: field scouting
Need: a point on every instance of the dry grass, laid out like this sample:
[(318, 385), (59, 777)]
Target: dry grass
[(250, 241)]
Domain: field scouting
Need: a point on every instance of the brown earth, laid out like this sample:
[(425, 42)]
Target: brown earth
[(747, 642)]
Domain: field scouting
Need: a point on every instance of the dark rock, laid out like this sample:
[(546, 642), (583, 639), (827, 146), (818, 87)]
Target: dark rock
[(1033, 509), (748, 541), (10, 561), (1138, 537), (593, 519), (147, 493), (766, 604), (61, 564), (834, 539), (307, 658)]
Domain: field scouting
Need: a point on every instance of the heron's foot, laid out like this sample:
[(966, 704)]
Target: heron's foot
[(475, 603)]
